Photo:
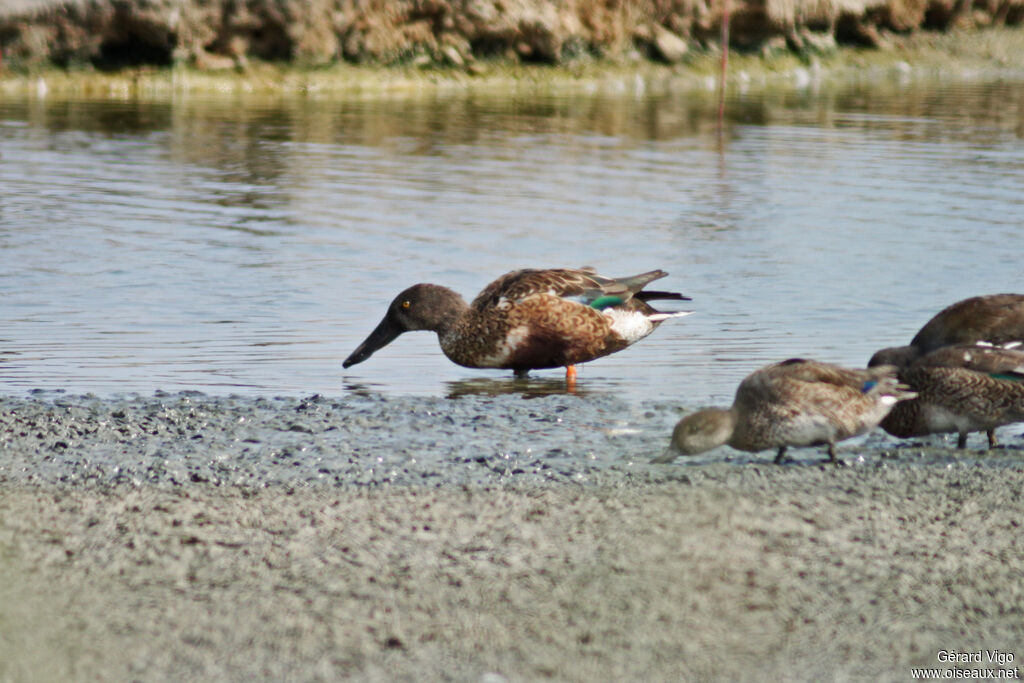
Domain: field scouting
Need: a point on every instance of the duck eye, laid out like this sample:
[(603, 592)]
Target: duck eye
[(406, 304)]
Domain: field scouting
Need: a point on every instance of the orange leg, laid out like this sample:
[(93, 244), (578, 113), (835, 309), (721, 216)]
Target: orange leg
[(570, 375)]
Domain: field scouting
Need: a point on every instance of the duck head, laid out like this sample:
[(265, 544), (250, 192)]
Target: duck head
[(420, 307), (900, 356), (699, 432)]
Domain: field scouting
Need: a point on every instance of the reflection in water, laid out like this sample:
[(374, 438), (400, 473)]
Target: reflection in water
[(364, 389), (249, 245), (527, 387)]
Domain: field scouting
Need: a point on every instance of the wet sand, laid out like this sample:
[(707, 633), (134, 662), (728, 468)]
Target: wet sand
[(720, 570)]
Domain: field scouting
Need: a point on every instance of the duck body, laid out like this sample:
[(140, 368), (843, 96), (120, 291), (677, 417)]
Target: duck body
[(528, 319), (963, 388), (994, 318), (793, 403)]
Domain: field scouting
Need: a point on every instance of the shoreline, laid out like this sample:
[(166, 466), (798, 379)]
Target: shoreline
[(990, 53), (374, 440), (186, 537)]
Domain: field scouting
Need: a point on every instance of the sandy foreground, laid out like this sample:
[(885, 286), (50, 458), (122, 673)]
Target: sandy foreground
[(756, 572)]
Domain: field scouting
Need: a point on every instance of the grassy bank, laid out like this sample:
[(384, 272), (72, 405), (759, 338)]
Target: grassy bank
[(990, 53)]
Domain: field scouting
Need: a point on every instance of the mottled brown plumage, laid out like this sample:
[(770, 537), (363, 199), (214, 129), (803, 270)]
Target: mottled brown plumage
[(527, 319), (995, 318), (963, 388), (793, 403)]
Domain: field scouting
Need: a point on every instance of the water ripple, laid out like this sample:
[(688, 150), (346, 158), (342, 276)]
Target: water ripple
[(249, 248)]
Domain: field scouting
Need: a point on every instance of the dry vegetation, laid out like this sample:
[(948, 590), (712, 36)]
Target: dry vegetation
[(228, 33)]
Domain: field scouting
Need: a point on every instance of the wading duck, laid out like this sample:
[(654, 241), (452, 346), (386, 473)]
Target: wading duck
[(964, 388), (793, 403), (528, 319), (996, 318)]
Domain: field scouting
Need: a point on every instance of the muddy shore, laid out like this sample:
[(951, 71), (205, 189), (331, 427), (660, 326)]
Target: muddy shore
[(187, 537)]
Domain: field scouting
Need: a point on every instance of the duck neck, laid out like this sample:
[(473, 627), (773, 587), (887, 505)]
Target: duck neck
[(446, 308), (900, 356), (725, 423), (450, 316)]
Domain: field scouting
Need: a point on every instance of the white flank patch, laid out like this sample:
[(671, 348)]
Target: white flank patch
[(887, 400), (629, 325), (633, 325), (515, 337), (939, 419)]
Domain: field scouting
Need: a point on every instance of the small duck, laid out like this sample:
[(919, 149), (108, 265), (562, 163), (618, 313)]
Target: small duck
[(793, 403), (996, 318), (528, 319), (963, 388)]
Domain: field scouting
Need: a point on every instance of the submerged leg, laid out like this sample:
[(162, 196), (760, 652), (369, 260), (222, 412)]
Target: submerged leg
[(961, 441), (521, 372), (832, 453), (570, 378), (992, 443), (781, 455)]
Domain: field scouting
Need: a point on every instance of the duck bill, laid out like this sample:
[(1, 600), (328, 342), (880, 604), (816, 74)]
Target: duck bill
[(384, 334)]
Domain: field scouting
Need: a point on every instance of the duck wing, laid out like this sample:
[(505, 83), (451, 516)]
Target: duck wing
[(996, 361), (582, 285), (994, 318), (877, 380)]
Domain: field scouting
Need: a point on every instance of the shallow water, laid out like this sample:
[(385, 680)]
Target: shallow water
[(247, 246)]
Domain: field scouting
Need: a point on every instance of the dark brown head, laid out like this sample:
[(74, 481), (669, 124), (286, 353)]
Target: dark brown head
[(900, 356), (420, 307)]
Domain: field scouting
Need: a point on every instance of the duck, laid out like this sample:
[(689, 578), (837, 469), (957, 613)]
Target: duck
[(961, 388), (994, 318), (528, 319), (796, 402)]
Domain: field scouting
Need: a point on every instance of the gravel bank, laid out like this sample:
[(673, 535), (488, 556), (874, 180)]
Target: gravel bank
[(187, 537)]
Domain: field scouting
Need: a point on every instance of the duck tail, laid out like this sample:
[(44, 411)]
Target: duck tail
[(659, 316), (655, 295), (635, 283), (885, 382)]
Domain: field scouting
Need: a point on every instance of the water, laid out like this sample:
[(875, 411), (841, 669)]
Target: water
[(247, 246)]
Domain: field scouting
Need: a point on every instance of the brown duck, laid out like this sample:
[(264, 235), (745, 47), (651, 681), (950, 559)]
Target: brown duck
[(528, 319), (963, 388), (996, 318), (793, 403)]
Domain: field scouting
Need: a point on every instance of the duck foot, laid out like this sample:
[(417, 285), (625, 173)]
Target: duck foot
[(570, 376), (833, 458)]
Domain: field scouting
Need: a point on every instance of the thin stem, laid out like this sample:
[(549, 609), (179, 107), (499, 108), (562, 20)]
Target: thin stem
[(725, 62)]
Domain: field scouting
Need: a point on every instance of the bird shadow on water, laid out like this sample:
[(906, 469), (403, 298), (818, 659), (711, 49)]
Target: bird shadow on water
[(366, 390), (527, 387)]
